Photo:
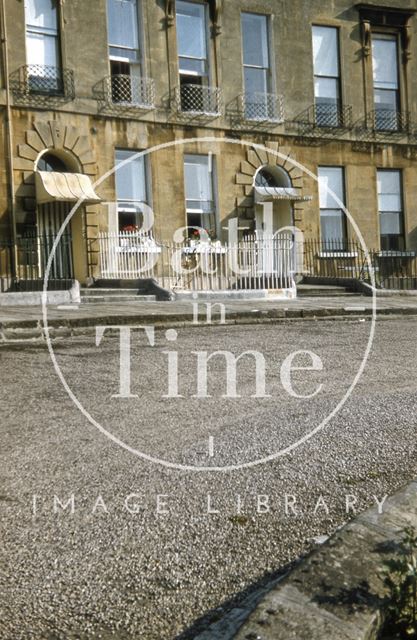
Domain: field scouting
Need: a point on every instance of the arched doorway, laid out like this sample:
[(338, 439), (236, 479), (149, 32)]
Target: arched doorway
[(59, 185), (273, 195), (50, 217)]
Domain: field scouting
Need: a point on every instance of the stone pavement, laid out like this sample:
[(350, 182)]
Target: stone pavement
[(20, 322), (182, 311)]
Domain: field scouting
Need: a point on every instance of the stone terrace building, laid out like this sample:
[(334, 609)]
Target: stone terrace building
[(329, 84)]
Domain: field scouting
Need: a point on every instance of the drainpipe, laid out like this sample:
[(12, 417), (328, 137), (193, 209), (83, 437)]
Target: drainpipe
[(9, 136)]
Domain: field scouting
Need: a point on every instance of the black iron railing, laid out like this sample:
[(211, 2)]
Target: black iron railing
[(322, 122), (23, 265), (42, 81), (389, 121), (261, 107), (330, 116), (128, 91), (347, 260), (198, 100)]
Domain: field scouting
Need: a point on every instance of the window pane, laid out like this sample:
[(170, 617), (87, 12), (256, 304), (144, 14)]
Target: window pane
[(389, 182), (255, 40), (325, 51), (326, 90), (330, 178), (191, 30), (256, 80), (130, 179), (389, 202), (123, 23), (122, 54), (42, 14), (192, 66), (386, 99), (198, 183), (41, 50), (332, 227), (390, 223), (129, 220), (389, 190), (385, 63)]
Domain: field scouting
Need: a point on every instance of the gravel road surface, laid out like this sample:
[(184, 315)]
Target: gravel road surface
[(146, 551)]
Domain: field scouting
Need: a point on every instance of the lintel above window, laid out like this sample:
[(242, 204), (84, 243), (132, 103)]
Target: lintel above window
[(215, 6), (376, 17), (385, 16)]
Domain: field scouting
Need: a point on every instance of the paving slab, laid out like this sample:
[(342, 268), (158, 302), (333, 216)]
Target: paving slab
[(148, 310)]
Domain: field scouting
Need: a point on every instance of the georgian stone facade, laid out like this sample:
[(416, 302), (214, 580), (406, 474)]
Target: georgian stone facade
[(85, 127)]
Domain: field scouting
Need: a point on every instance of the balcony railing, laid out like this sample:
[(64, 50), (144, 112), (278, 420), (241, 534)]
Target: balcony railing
[(331, 116), (262, 107), (198, 101), (129, 91), (389, 121), (40, 81)]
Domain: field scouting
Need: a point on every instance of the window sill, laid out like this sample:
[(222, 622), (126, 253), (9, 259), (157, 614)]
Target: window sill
[(396, 254), (337, 254), (205, 247), (194, 112), (264, 120), (138, 249), (133, 105)]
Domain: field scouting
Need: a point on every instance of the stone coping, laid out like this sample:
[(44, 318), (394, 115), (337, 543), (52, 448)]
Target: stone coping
[(337, 592)]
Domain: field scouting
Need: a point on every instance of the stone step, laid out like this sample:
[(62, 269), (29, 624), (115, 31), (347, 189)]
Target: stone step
[(104, 299), (107, 292), (318, 291)]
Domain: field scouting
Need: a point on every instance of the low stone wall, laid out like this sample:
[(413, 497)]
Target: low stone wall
[(34, 298), (337, 592)]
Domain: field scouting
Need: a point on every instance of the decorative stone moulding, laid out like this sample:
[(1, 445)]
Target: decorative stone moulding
[(65, 141), (257, 158)]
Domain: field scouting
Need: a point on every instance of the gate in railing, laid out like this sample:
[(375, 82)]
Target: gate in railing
[(253, 263), (23, 264)]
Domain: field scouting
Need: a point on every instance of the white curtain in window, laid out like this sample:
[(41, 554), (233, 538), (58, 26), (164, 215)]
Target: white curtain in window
[(330, 178), (191, 30), (256, 81), (390, 223), (131, 178), (385, 63), (389, 191), (326, 88), (123, 23), (255, 40), (331, 222), (198, 181), (42, 14), (41, 50), (325, 51)]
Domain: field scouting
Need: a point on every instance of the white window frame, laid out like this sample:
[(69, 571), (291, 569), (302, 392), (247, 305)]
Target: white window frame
[(400, 195), (343, 239), (387, 37), (147, 185), (337, 79), (187, 72), (44, 32), (268, 69), (133, 61), (191, 158)]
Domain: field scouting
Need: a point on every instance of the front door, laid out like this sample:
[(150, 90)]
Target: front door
[(51, 216)]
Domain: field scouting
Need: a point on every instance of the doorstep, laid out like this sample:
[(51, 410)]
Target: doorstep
[(241, 294)]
